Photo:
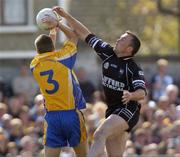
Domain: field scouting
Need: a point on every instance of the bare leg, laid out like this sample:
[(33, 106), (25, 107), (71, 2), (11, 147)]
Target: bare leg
[(49, 152), (115, 145), (81, 149), (69, 151), (111, 126)]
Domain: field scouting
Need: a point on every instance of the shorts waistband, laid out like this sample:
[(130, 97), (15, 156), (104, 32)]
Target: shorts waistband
[(61, 110), (123, 106)]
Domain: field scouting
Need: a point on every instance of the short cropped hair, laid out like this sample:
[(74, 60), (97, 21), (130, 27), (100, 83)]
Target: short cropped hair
[(136, 43), (44, 44)]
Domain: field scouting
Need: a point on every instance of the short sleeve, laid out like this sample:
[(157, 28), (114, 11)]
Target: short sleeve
[(69, 48), (67, 54), (138, 80)]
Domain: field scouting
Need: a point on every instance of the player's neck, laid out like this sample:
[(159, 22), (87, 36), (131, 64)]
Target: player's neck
[(124, 54)]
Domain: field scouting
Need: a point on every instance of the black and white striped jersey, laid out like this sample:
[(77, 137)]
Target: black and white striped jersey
[(118, 73)]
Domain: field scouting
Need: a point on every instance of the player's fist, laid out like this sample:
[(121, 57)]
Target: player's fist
[(126, 97)]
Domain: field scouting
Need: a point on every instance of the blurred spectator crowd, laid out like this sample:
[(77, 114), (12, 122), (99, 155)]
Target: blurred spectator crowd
[(22, 115)]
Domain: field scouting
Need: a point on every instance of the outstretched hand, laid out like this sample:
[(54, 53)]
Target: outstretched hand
[(80, 29), (60, 11)]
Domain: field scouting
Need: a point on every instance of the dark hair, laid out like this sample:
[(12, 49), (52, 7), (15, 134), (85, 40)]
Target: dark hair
[(136, 43), (44, 44)]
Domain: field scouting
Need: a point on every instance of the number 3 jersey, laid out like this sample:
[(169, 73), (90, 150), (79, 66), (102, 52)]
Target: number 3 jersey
[(57, 82)]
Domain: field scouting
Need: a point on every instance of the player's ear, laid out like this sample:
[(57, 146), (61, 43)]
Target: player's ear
[(130, 49)]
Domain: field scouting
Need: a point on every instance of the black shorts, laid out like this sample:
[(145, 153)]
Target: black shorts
[(130, 113)]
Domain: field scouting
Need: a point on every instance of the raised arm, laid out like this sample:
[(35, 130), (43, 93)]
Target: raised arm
[(81, 30), (53, 34), (70, 34)]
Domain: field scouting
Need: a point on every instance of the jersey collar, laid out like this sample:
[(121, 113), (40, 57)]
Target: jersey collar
[(126, 57)]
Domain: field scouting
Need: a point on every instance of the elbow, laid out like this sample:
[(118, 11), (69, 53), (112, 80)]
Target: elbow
[(82, 34), (143, 95)]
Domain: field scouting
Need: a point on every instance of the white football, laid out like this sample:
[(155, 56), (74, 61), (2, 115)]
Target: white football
[(44, 14)]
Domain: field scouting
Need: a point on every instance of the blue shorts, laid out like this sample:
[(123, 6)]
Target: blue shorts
[(64, 128)]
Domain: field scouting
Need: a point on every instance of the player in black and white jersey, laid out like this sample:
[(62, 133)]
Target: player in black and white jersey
[(124, 86)]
